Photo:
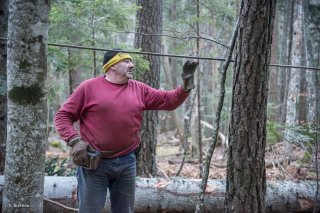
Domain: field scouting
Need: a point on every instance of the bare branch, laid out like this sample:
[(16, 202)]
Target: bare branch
[(199, 207)]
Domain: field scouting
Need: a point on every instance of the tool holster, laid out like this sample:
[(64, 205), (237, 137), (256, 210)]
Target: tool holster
[(94, 159)]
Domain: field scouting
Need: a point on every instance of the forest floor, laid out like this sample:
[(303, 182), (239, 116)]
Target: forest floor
[(170, 155), (169, 158)]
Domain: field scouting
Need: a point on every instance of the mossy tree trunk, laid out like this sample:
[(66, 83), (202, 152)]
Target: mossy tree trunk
[(246, 176), (149, 25), (26, 124), (3, 81)]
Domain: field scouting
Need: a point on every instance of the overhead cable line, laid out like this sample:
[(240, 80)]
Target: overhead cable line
[(166, 55)]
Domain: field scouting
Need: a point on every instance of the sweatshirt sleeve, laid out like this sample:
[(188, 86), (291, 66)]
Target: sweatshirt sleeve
[(164, 100), (69, 113)]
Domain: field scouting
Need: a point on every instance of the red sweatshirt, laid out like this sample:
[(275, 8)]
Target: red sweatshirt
[(111, 114)]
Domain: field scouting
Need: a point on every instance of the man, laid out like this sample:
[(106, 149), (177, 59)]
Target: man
[(110, 108)]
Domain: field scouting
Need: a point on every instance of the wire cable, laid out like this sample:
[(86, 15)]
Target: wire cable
[(168, 55)]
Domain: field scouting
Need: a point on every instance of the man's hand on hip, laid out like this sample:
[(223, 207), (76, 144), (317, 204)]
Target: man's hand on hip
[(187, 75), (79, 152)]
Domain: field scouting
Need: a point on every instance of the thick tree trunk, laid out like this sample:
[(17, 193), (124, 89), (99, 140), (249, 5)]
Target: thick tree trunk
[(149, 24), (247, 133), (3, 81), (180, 195), (26, 126)]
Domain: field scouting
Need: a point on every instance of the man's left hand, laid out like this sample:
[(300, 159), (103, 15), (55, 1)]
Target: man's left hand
[(187, 75)]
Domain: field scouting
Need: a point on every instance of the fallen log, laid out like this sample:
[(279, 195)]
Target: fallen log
[(180, 195)]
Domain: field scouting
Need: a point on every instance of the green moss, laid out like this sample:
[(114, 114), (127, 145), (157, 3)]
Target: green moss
[(26, 95), (55, 144)]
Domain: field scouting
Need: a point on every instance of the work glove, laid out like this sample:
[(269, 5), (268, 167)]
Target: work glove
[(79, 152), (187, 75)]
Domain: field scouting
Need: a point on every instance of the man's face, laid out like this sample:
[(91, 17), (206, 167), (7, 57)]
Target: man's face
[(124, 69)]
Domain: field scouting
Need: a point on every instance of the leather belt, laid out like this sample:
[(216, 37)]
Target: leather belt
[(107, 154)]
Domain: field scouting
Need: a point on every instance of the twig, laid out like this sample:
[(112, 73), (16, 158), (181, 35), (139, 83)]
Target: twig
[(60, 205), (163, 172), (199, 207)]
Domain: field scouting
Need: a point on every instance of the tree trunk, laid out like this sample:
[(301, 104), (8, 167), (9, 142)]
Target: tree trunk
[(246, 177), (26, 125), (74, 73), (293, 83), (3, 81), (302, 105), (180, 195), (286, 58), (149, 23), (312, 14)]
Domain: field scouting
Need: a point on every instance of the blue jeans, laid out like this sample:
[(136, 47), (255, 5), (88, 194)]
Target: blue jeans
[(116, 174)]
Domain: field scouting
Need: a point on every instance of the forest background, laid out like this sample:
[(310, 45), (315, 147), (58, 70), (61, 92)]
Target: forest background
[(292, 118), (203, 29)]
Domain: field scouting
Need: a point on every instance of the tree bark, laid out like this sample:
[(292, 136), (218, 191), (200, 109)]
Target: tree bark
[(149, 23), (246, 176), (3, 81), (26, 125), (274, 92), (179, 195)]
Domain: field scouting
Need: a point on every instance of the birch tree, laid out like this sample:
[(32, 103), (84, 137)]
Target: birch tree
[(26, 125), (246, 177), (3, 81), (149, 24)]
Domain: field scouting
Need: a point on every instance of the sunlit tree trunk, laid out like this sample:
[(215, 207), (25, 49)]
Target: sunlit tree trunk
[(246, 176), (26, 125), (149, 24), (3, 81)]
